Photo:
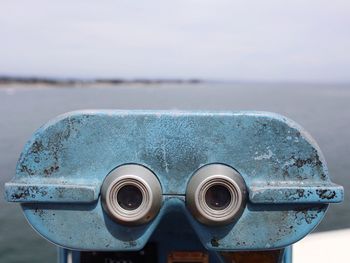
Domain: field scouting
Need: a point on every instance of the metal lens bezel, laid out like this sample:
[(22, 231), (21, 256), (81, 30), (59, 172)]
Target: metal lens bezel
[(206, 177), (140, 177), (218, 214), (135, 214)]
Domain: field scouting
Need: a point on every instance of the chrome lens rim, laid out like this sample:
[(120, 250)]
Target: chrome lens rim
[(145, 181), (207, 177), (135, 214), (218, 214)]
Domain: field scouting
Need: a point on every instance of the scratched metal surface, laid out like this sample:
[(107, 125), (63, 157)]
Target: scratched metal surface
[(324, 110), (77, 150)]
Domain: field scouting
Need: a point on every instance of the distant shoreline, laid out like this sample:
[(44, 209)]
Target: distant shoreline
[(72, 82), (33, 82)]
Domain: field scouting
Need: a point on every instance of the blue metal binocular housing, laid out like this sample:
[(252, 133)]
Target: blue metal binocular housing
[(217, 183)]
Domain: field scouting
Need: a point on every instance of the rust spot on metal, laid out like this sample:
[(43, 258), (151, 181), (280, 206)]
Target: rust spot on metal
[(40, 212), (25, 169), (50, 170), (307, 214), (214, 242), (313, 160), (301, 162), (22, 193), (37, 147), (300, 192), (132, 243), (326, 194), (60, 191)]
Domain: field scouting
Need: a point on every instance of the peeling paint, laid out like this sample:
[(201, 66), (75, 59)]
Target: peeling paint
[(267, 155)]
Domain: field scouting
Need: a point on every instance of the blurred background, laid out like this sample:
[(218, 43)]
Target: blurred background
[(289, 57)]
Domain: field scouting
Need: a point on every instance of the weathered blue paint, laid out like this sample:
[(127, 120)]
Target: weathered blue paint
[(288, 255), (62, 167), (301, 192), (51, 192)]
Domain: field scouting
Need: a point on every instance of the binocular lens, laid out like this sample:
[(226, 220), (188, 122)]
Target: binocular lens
[(218, 197), (216, 194), (131, 194), (129, 197)]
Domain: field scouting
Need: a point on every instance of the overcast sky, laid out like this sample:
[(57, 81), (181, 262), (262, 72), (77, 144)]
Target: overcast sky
[(229, 40)]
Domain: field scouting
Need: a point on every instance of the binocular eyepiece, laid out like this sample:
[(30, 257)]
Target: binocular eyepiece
[(132, 195), (216, 194)]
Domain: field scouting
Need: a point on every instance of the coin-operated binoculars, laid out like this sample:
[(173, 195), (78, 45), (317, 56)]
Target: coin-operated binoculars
[(159, 186)]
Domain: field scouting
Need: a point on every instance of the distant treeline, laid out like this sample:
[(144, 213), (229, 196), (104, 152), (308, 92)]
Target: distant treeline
[(58, 81)]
